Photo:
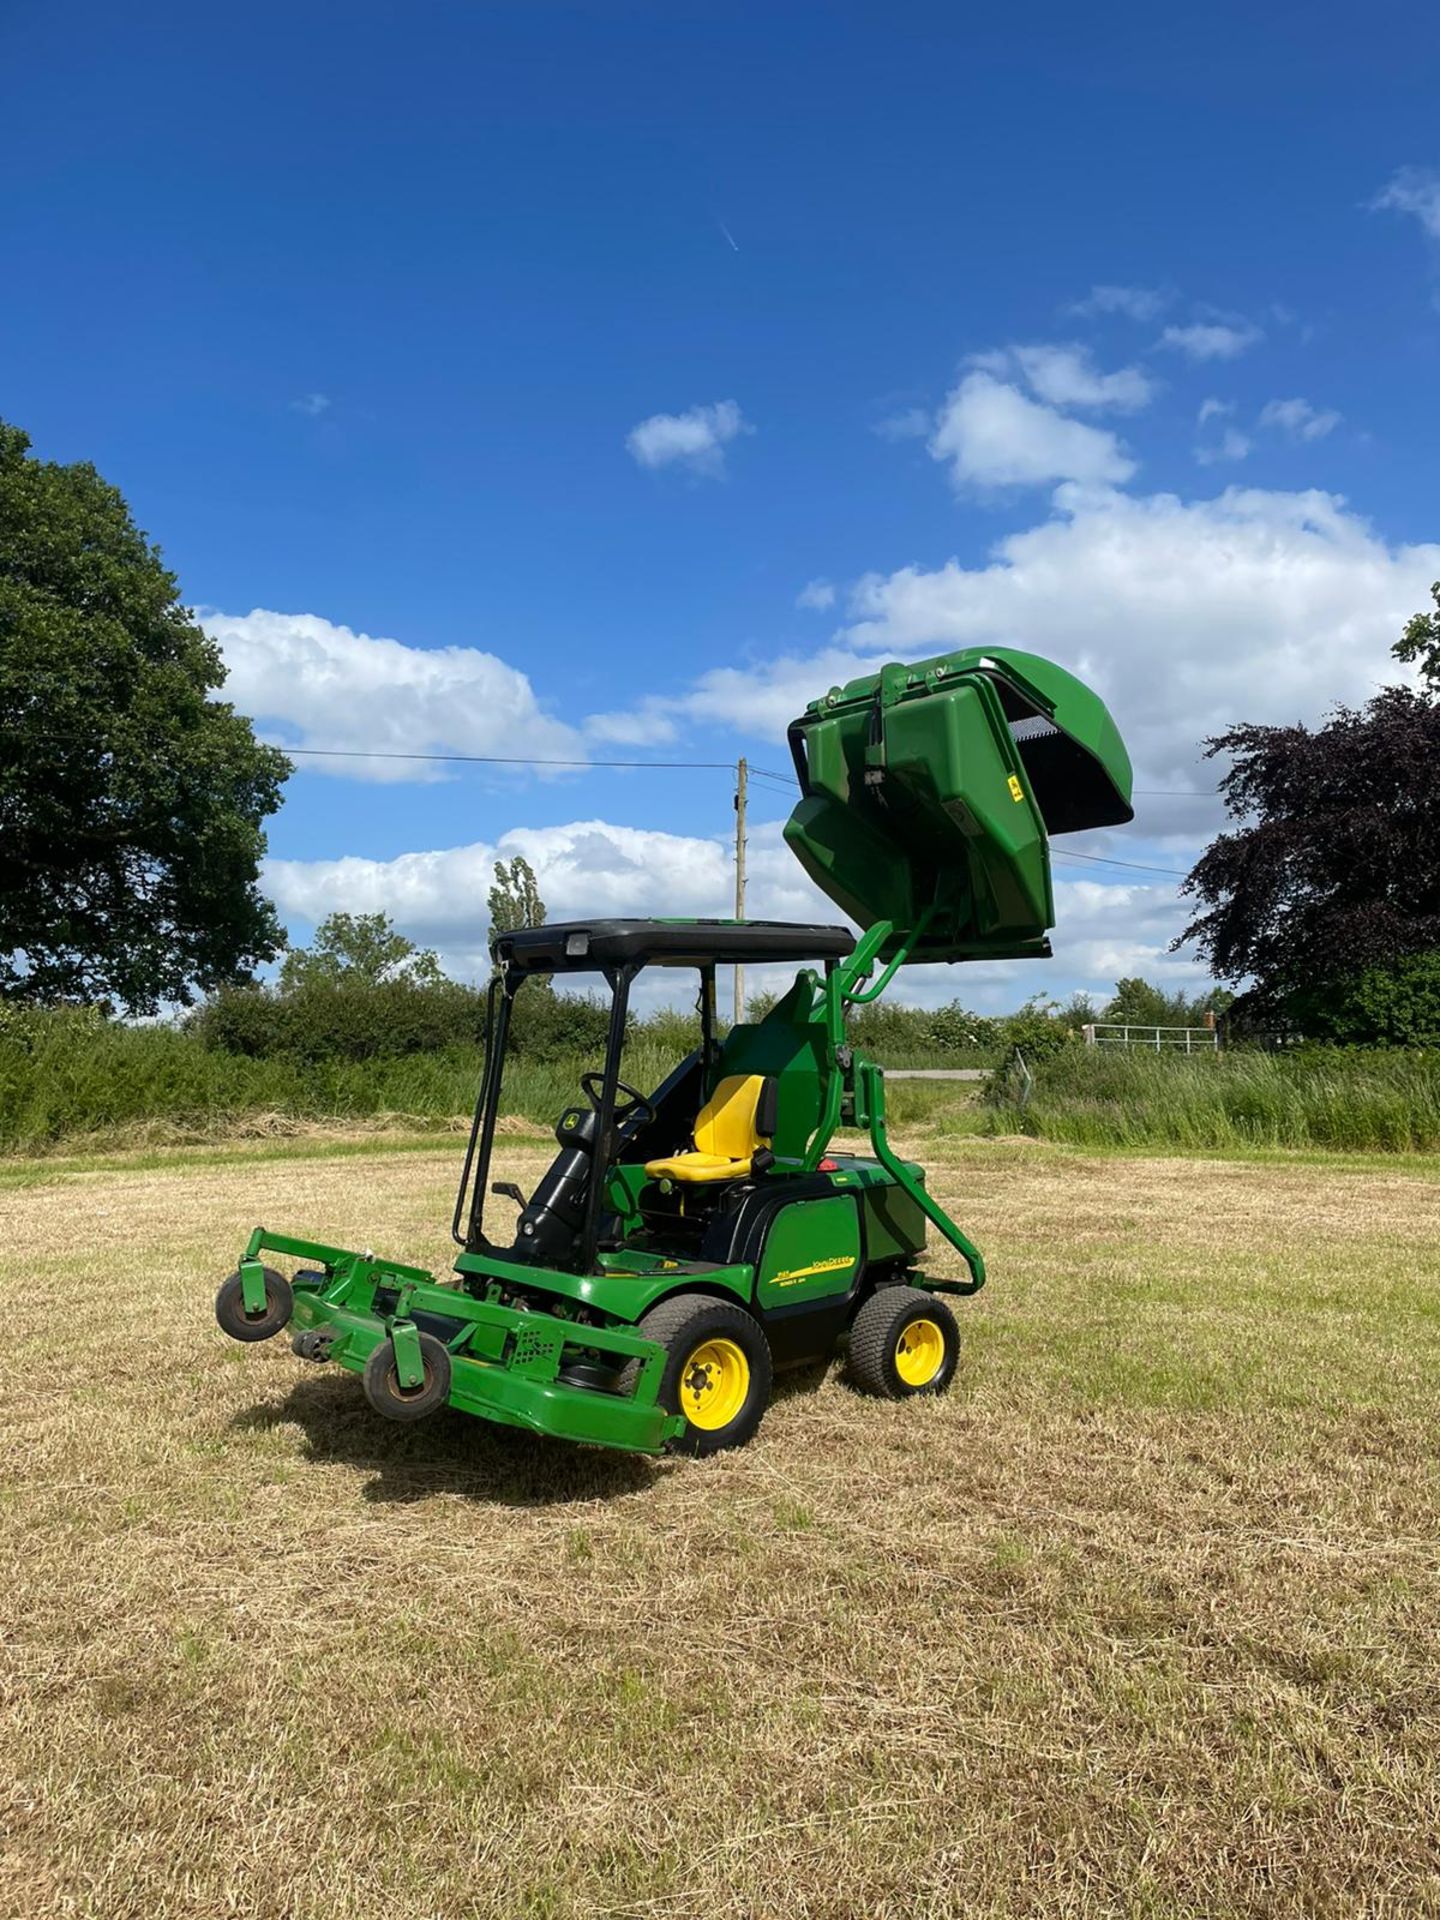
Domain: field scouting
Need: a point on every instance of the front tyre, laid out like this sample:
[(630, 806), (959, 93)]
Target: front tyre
[(904, 1341), (717, 1370), (230, 1307)]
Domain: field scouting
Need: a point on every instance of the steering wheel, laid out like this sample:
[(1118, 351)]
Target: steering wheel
[(634, 1106)]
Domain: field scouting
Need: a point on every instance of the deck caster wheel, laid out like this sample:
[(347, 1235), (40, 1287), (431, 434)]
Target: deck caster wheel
[(240, 1325), (904, 1341), (717, 1370), (381, 1382)]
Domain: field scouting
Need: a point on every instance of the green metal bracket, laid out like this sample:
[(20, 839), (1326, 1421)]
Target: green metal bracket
[(409, 1362), (252, 1286), (870, 1094)]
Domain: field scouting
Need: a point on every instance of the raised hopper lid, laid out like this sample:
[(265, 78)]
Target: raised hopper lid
[(930, 791)]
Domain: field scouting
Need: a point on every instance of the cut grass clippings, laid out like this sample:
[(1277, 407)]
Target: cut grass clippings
[(1139, 1620)]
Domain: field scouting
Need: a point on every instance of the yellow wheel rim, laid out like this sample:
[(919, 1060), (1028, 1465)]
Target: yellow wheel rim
[(919, 1352), (713, 1384)]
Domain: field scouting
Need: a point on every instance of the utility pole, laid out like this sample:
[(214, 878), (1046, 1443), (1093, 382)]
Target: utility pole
[(742, 772)]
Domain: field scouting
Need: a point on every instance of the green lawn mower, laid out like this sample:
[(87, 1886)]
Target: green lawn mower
[(687, 1241)]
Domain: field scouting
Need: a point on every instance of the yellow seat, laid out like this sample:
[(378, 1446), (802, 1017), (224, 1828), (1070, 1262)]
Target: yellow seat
[(726, 1135)]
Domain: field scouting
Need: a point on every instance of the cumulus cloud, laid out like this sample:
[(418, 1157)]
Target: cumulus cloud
[(695, 440), (590, 868), (816, 595), (1135, 303), (1212, 339), (1416, 191), (1232, 445), (911, 423), (1186, 616), (1066, 376), (993, 435), (1299, 419), (325, 686), (312, 405), (585, 868)]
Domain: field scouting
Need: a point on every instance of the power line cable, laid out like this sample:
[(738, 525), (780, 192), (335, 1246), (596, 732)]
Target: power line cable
[(1101, 860)]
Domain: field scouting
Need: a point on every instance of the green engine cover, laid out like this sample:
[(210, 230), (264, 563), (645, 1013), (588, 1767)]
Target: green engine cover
[(811, 1252), (931, 790)]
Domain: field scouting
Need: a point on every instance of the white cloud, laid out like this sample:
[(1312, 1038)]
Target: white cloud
[(1213, 410), (1066, 376), (592, 868), (328, 687), (312, 405), (912, 423), (995, 436), (1186, 616), (696, 439), (1299, 419), (651, 724), (1135, 303), (1232, 445), (1211, 339), (586, 868), (816, 595), (1413, 190)]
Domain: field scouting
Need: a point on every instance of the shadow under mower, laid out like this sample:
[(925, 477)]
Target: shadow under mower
[(686, 1242)]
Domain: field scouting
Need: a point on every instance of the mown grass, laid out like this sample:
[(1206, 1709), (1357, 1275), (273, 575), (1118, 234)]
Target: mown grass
[(1321, 1097), (1138, 1621)]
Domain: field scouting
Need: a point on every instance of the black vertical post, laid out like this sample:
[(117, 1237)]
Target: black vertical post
[(707, 1024), (605, 1119), (494, 1074)]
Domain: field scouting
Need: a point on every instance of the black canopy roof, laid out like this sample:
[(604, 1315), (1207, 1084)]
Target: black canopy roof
[(580, 946)]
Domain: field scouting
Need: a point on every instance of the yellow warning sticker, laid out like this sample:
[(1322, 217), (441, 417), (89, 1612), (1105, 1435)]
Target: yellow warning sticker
[(1017, 792)]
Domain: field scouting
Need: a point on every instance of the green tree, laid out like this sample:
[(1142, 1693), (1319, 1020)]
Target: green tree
[(359, 949), (131, 801), (1420, 642), (514, 900)]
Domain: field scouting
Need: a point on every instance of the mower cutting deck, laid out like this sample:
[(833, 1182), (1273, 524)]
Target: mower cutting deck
[(686, 1242)]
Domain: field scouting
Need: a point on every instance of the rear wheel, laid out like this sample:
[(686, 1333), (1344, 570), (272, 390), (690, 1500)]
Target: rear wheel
[(904, 1341), (230, 1307), (717, 1370)]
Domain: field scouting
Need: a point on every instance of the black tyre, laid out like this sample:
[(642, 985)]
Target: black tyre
[(717, 1370), (240, 1325), (381, 1381), (904, 1342)]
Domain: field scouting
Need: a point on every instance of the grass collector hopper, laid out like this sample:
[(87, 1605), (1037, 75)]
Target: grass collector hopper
[(688, 1240)]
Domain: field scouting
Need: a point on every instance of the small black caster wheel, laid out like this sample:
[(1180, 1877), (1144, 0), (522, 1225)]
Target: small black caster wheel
[(240, 1325), (382, 1388)]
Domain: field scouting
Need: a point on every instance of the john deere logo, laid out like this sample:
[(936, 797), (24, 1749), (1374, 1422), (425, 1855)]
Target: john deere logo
[(792, 1274), (1017, 792)]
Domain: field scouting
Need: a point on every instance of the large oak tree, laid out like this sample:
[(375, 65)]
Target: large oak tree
[(131, 801)]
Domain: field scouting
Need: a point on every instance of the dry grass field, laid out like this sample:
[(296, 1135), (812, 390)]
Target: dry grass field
[(1144, 1619)]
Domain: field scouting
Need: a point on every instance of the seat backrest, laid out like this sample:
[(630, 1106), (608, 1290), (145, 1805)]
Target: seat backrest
[(729, 1124)]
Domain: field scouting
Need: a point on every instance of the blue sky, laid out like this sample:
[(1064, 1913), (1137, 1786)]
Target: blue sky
[(499, 378)]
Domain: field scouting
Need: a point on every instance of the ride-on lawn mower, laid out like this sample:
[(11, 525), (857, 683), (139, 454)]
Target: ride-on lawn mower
[(687, 1241)]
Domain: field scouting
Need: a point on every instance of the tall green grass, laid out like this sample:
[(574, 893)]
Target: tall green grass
[(73, 1079), (68, 1078), (1340, 1099)]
